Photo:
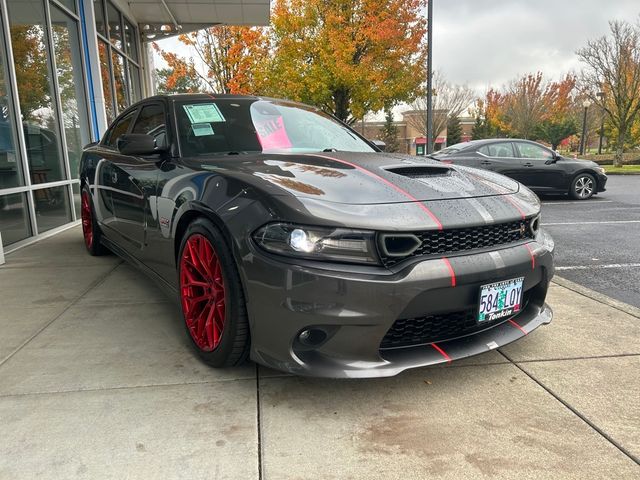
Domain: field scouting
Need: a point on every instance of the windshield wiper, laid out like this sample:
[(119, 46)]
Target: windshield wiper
[(330, 149)]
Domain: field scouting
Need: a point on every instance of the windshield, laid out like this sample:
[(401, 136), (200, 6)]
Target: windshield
[(237, 126), (452, 149)]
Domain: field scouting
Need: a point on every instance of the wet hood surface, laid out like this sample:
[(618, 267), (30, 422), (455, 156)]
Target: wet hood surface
[(358, 178)]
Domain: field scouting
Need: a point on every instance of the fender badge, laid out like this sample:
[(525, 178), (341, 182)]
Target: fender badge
[(164, 222)]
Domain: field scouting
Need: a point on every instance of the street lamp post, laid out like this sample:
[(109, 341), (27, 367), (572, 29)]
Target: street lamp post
[(600, 96), (583, 142), (429, 145)]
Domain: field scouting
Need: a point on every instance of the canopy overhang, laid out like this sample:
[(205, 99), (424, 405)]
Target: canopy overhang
[(163, 18)]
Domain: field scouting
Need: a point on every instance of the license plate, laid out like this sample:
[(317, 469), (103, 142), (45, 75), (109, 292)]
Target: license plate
[(500, 299)]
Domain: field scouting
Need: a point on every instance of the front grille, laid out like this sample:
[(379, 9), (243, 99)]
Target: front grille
[(409, 332), (446, 242)]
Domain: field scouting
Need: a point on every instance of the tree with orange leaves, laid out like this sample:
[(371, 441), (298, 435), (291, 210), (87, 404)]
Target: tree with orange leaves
[(348, 57), (234, 60)]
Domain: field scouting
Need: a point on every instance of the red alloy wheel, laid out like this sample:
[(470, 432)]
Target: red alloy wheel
[(87, 219), (202, 292)]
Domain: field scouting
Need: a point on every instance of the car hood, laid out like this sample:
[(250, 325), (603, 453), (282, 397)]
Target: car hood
[(360, 178)]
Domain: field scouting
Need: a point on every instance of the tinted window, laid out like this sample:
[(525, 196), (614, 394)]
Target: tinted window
[(504, 150), (120, 128), (223, 126), (533, 151), (152, 122)]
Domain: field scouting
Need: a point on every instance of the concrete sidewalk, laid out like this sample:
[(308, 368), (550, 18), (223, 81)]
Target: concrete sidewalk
[(97, 380)]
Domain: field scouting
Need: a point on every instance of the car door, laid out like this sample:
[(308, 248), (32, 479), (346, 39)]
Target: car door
[(136, 178), (540, 171), (500, 157), (106, 175)]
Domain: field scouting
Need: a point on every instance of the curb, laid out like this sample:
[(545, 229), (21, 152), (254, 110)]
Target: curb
[(622, 173), (599, 297)]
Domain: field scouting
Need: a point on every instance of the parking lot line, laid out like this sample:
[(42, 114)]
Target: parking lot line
[(590, 223), (579, 202), (590, 267)]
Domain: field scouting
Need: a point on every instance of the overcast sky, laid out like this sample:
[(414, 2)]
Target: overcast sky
[(489, 42)]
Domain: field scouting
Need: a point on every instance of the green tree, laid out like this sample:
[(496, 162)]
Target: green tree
[(454, 131), (389, 133), (554, 131)]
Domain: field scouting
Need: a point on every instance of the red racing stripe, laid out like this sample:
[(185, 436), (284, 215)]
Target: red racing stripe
[(451, 272), (533, 258), (442, 352), (386, 182), (517, 326)]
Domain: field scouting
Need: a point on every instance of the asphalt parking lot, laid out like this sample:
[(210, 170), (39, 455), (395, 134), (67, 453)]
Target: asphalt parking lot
[(598, 240), (97, 380)]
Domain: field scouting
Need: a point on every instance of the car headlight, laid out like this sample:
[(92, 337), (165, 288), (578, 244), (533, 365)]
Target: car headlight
[(600, 170), (318, 243)]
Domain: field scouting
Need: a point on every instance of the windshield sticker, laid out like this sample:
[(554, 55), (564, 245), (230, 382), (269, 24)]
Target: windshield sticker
[(202, 129), (272, 134), (203, 113)]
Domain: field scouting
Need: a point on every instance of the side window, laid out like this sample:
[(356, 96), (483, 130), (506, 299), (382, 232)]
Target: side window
[(120, 128), (534, 152), (503, 150), (152, 122)]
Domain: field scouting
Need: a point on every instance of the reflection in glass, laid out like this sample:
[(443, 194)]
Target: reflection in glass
[(134, 79), (14, 219), (66, 43), (52, 207), (99, 13), (131, 47), (70, 4), (110, 108), (117, 61), (10, 167), (35, 90), (115, 29), (75, 187)]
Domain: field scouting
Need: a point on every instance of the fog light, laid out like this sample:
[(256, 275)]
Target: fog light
[(312, 337)]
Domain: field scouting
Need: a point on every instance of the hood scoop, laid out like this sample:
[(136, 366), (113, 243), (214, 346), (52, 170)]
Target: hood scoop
[(420, 171)]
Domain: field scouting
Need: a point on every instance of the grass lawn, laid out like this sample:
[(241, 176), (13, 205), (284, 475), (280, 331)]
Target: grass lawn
[(624, 170)]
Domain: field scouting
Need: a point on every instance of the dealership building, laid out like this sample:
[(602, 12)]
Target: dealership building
[(67, 68)]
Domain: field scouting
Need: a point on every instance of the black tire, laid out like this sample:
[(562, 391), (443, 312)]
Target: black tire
[(234, 343), (583, 186), (94, 245)]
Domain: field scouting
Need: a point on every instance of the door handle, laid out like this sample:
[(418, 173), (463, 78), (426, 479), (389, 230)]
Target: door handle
[(485, 162), (528, 164)]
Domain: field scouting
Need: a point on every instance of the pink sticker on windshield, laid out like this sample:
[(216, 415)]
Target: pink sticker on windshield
[(272, 134)]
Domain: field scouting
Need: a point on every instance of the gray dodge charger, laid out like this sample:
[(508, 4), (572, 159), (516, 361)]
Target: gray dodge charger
[(290, 239)]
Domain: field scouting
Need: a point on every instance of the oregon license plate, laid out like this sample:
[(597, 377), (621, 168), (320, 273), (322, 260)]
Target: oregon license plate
[(500, 299)]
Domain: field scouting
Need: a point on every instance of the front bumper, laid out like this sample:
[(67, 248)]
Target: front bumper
[(601, 182), (356, 306)]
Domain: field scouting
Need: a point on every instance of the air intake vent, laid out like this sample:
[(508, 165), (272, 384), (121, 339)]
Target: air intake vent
[(420, 171)]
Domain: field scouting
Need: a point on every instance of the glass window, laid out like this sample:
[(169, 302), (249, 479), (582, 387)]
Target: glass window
[(14, 219), (105, 73), (121, 127), (75, 188), (66, 43), (35, 90), (98, 8), (503, 150), (533, 151), (117, 61), (115, 26), (152, 122), (241, 126), (130, 42), (134, 78), (52, 207), (10, 165), (70, 4)]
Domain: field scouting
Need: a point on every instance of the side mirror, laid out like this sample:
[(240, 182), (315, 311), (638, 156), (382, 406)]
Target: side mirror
[(137, 144), (379, 144)]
